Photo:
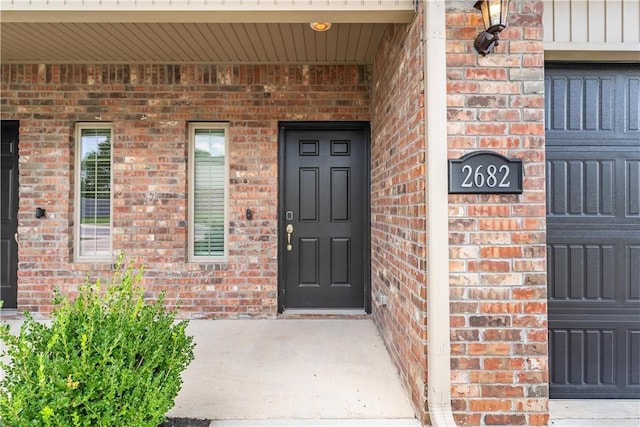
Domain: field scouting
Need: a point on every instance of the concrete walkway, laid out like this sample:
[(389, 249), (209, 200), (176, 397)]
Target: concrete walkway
[(331, 372), (592, 413)]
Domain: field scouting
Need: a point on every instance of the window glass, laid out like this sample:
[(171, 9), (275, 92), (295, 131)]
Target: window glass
[(208, 198), (94, 210)]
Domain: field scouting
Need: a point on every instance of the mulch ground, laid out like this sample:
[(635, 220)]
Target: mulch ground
[(185, 422)]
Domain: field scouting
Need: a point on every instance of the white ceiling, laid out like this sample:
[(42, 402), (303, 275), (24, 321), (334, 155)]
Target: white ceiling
[(188, 36), (188, 42)]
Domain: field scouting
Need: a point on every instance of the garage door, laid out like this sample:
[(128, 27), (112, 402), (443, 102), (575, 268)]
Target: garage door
[(593, 223)]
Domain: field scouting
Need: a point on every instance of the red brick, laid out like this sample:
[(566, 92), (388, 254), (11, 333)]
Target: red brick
[(489, 210), (502, 390), (465, 390), (502, 335), (491, 74), (530, 321), (490, 405), (485, 265), (529, 293), (538, 419), (535, 307), (462, 419), (489, 349), (496, 307), (532, 405), (537, 335), (496, 377), (500, 224), (486, 129), (505, 420), (501, 252), (497, 363), (465, 363)]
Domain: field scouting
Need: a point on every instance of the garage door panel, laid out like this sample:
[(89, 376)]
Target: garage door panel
[(583, 187), (581, 271), (586, 105), (598, 270), (580, 103), (586, 355), (593, 230), (593, 188), (586, 358)]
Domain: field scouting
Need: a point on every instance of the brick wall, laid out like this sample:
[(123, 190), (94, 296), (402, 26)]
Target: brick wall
[(398, 210), (150, 107), (497, 252), (497, 243)]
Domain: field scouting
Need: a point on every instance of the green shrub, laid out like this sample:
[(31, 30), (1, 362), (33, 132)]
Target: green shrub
[(108, 359)]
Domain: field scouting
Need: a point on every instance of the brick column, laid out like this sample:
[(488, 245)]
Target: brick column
[(497, 252)]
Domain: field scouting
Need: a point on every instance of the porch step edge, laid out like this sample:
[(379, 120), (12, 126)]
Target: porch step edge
[(322, 422), (324, 314)]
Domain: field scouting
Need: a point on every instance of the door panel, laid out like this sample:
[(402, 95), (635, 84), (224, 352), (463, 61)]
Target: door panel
[(325, 199), (9, 214), (593, 230)]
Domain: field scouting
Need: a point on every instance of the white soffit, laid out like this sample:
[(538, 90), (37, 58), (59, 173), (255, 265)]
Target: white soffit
[(188, 31)]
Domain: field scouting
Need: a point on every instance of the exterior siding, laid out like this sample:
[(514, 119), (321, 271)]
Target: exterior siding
[(592, 24), (150, 107)]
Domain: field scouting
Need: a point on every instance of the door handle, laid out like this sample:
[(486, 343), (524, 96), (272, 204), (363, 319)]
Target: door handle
[(289, 231), (15, 237)]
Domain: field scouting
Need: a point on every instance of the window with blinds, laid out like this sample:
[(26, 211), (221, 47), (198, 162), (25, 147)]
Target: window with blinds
[(208, 191), (93, 191)]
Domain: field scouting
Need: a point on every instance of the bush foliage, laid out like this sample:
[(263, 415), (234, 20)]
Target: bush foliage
[(108, 358)]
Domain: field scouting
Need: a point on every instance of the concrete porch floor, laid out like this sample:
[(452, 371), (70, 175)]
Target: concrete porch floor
[(288, 370), (317, 373), (592, 413)]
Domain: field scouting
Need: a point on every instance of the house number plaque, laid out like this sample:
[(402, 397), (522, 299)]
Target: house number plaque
[(485, 172)]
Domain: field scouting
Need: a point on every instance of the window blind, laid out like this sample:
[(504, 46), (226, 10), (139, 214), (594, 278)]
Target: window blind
[(95, 192), (209, 190)]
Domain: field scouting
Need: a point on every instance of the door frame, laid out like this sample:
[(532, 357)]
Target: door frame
[(365, 128), (15, 124)]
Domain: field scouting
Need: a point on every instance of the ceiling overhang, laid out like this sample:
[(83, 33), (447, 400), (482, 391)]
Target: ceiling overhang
[(196, 31)]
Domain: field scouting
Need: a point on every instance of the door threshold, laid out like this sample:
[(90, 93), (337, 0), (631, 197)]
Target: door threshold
[(9, 314), (324, 313)]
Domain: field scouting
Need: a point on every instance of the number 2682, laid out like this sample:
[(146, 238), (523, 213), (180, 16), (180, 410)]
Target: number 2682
[(491, 177)]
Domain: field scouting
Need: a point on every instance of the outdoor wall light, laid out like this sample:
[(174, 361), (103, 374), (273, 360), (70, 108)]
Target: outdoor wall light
[(494, 17)]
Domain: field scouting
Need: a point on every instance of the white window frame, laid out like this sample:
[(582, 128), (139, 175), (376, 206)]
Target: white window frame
[(78, 196), (191, 209)]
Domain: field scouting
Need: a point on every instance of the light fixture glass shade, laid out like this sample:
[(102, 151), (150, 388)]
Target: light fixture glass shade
[(320, 26), (494, 14)]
